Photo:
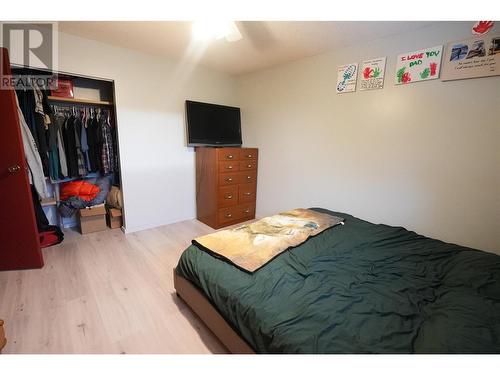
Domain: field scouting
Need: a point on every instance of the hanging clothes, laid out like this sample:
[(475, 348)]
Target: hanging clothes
[(70, 140), (59, 123), (41, 139), (42, 112), (43, 147), (38, 100), (116, 167), (93, 143), (32, 155), (27, 103), (84, 143), (107, 155), (54, 165), (80, 141), (70, 146), (82, 170)]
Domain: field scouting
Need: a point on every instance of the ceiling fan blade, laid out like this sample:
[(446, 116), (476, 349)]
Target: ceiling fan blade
[(233, 33), (258, 33)]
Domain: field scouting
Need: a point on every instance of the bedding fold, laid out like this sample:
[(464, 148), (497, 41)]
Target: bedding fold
[(251, 246)]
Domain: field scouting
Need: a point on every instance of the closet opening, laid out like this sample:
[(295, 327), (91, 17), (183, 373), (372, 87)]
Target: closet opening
[(75, 129)]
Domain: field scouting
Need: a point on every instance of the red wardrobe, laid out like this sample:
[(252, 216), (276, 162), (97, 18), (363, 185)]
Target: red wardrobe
[(19, 243)]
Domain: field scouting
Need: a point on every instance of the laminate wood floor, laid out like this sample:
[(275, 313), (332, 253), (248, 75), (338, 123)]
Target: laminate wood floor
[(105, 292)]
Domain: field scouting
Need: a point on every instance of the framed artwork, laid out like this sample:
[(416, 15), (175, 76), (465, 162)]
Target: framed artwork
[(372, 74), (472, 58), (416, 66), (346, 78)]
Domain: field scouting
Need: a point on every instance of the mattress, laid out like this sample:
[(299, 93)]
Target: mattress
[(359, 288)]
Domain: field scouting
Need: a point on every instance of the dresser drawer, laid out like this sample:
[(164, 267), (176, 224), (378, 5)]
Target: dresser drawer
[(226, 215), (228, 153), (248, 154), (227, 196), (241, 212), (246, 193), (230, 178), (228, 166), (247, 211), (249, 165), (247, 177)]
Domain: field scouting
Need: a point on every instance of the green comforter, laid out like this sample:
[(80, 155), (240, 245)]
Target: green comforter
[(359, 288)]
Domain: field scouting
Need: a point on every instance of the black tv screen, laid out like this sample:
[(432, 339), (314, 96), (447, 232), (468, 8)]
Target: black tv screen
[(212, 124)]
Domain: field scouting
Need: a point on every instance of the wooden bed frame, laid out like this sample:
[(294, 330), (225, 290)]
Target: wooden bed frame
[(199, 303)]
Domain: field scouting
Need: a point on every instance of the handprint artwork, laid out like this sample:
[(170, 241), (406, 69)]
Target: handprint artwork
[(373, 74), (425, 73), (482, 27), (433, 68), (419, 65), (367, 73)]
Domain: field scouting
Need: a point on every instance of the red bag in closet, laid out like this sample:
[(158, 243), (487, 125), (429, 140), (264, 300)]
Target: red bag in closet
[(80, 188)]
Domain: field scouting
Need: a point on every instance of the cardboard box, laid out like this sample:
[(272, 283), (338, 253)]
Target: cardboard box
[(114, 218), (93, 219)]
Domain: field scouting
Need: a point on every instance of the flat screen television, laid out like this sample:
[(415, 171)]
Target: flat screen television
[(212, 124)]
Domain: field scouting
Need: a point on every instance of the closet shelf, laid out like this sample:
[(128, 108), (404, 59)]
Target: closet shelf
[(48, 202), (80, 101), (88, 175)]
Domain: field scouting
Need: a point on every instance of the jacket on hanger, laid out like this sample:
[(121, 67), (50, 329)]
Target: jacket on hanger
[(59, 123), (70, 146), (93, 143), (54, 165), (27, 103), (37, 177), (84, 143), (107, 155), (82, 171)]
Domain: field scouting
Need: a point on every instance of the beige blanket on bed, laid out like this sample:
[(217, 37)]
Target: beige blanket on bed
[(251, 246)]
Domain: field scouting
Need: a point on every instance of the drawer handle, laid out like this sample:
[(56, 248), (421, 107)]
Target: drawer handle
[(249, 166), (229, 196), (249, 156), (229, 167), (229, 215), (247, 193), (230, 156), (247, 211), (249, 177), (229, 179)]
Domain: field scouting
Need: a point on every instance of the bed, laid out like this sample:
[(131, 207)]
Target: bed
[(355, 288)]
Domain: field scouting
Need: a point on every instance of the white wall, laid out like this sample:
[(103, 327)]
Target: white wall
[(158, 174), (425, 156)]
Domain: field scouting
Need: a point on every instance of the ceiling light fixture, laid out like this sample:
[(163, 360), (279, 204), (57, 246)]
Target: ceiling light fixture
[(206, 30)]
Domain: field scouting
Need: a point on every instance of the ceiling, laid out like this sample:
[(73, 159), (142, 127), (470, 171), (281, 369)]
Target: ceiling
[(264, 44)]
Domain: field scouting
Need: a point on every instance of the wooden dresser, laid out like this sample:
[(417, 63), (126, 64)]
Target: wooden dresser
[(226, 185)]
